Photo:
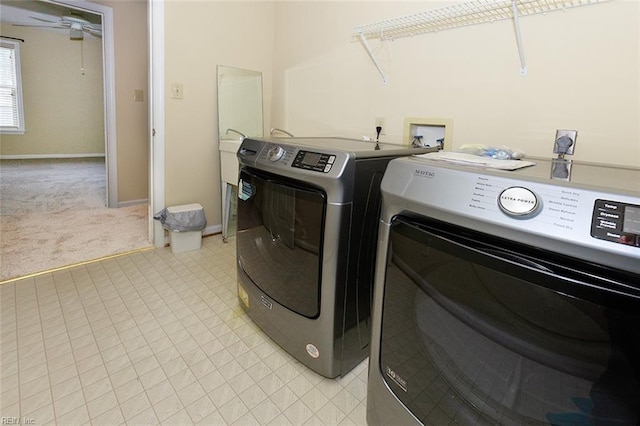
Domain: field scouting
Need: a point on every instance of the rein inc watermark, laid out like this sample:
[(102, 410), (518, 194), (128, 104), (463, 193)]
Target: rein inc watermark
[(17, 421)]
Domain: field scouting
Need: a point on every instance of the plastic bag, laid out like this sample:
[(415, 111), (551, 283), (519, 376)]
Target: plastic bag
[(182, 221), (499, 153)]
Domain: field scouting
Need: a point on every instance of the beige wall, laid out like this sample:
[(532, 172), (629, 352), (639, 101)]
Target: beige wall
[(131, 73), (583, 73), (63, 105), (199, 35)]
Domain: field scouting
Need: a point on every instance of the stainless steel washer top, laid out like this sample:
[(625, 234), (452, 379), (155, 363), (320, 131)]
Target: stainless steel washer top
[(328, 163), (320, 155), (358, 147)]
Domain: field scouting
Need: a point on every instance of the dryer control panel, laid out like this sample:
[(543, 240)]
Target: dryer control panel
[(616, 222)]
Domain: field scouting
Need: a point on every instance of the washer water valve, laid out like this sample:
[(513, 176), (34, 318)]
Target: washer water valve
[(565, 142), (417, 142)]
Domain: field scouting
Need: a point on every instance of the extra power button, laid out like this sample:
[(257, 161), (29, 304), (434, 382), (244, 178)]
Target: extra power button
[(518, 201)]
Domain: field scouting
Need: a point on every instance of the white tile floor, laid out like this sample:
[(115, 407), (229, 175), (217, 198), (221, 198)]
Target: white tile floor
[(155, 338)]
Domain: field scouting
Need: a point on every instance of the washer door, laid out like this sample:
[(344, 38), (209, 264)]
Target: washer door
[(279, 238), (477, 329)]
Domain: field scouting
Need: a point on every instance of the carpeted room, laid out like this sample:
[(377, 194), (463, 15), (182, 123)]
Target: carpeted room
[(53, 214), (61, 157)]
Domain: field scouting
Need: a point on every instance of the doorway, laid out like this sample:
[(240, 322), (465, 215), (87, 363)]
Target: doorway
[(112, 194), (84, 34)]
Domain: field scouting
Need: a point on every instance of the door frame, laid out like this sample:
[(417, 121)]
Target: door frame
[(109, 91), (155, 10)]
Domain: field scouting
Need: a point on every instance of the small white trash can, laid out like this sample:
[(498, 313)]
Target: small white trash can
[(182, 241)]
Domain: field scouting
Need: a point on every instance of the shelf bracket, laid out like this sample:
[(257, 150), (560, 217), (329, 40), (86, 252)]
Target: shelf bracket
[(364, 42), (516, 24)]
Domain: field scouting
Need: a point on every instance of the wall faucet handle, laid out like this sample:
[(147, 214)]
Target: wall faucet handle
[(242, 136), (275, 129)]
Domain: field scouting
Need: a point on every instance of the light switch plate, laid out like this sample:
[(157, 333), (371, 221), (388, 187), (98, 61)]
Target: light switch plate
[(177, 91)]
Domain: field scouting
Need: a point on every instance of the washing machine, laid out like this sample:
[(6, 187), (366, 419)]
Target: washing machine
[(506, 297), (307, 223)]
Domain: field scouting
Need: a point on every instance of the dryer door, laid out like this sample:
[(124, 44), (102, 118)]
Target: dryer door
[(279, 238)]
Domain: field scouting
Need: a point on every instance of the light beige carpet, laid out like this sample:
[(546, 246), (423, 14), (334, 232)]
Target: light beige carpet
[(53, 214)]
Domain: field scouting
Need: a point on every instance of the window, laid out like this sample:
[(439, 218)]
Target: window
[(11, 113)]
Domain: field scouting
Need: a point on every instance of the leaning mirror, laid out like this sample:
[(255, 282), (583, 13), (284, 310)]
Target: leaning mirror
[(239, 116), (239, 102)]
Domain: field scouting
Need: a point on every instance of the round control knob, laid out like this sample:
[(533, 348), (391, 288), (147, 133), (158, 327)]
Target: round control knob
[(517, 201), (275, 153)]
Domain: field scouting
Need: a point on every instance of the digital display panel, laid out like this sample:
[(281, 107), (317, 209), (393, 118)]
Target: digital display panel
[(311, 159), (631, 222)]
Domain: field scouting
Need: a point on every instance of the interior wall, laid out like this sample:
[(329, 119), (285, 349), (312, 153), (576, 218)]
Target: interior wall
[(132, 117), (583, 74), (199, 36), (63, 105)]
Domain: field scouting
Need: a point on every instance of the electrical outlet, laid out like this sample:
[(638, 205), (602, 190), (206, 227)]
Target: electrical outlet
[(381, 122), (177, 91), (568, 150)]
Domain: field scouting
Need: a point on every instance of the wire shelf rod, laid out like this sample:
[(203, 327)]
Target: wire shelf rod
[(463, 14)]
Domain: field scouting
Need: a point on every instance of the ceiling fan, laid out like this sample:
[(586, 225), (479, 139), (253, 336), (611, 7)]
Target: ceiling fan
[(76, 24)]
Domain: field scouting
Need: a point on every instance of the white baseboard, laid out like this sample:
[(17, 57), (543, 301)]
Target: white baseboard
[(133, 203), (48, 156), (210, 230)]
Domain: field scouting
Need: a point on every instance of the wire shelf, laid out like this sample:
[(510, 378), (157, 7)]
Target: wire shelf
[(460, 15)]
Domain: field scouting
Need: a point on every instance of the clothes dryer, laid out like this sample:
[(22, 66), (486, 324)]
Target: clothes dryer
[(506, 297)]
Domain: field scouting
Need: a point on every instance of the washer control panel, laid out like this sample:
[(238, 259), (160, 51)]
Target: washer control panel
[(314, 161), (595, 218), (275, 153), (284, 156), (616, 222)]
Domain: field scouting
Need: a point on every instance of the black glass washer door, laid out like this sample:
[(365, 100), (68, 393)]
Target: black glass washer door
[(279, 238), (483, 332)]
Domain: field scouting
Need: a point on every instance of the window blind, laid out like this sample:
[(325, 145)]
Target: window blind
[(9, 89)]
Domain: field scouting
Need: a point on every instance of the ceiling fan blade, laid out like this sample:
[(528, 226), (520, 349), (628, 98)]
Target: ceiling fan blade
[(92, 30), (18, 24), (43, 19)]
